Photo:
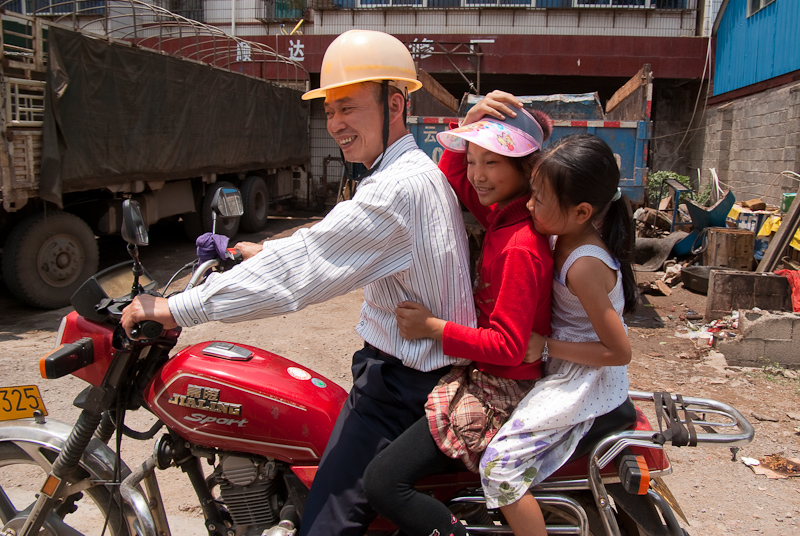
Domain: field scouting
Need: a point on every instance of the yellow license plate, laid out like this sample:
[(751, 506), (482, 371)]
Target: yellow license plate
[(20, 402)]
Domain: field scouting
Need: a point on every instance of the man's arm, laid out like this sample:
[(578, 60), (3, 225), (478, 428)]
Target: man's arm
[(359, 242)]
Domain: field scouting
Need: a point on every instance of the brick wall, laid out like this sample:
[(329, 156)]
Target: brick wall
[(750, 141)]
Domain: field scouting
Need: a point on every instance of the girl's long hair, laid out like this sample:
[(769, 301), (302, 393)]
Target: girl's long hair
[(581, 168)]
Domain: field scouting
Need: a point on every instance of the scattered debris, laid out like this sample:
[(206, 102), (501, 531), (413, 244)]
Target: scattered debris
[(768, 418), (754, 204), (663, 288), (790, 374), (779, 464), (773, 466), (672, 275)]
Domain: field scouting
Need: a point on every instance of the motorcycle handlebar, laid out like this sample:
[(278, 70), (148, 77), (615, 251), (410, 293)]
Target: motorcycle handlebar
[(149, 329)]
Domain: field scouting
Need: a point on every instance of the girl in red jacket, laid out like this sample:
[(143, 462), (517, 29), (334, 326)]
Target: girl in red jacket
[(488, 162)]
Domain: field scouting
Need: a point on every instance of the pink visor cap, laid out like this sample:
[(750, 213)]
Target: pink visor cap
[(514, 136)]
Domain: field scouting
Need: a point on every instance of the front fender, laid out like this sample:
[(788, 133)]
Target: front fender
[(98, 460)]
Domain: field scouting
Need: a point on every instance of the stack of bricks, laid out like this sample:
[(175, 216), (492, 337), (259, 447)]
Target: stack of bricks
[(764, 338)]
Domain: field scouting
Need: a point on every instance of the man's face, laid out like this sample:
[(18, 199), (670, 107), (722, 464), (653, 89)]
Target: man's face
[(355, 121)]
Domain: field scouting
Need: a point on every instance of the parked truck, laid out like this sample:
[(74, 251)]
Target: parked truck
[(108, 107), (624, 124)]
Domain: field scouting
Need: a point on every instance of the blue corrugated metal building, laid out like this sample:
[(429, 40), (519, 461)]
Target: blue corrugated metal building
[(755, 40)]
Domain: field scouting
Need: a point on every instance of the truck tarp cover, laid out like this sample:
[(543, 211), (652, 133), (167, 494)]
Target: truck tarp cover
[(115, 113)]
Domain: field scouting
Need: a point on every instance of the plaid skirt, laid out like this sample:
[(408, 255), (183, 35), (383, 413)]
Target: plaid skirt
[(467, 408)]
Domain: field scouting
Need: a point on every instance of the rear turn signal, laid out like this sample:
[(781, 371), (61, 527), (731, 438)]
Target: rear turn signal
[(633, 473), (67, 358)]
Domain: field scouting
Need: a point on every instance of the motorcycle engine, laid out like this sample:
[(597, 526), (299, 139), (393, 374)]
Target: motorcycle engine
[(249, 490)]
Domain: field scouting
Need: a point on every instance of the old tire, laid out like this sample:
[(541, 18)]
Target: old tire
[(255, 198), (47, 257)]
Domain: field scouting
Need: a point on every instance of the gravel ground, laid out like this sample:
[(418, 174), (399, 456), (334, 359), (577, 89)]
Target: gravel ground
[(718, 495)]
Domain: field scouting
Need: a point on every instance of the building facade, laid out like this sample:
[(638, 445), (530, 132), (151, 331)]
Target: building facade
[(527, 47), (750, 128)]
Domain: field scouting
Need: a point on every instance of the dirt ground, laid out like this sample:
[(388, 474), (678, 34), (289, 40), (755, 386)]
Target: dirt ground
[(717, 494)]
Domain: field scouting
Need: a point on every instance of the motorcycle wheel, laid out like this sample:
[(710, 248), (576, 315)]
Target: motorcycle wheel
[(23, 467)]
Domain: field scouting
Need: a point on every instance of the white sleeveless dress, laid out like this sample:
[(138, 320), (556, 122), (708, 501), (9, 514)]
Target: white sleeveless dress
[(544, 430)]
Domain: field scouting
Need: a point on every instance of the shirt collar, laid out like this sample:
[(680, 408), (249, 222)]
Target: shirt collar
[(395, 150), (514, 212)]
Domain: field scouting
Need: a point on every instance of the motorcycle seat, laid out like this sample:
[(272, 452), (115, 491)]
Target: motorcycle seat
[(623, 417)]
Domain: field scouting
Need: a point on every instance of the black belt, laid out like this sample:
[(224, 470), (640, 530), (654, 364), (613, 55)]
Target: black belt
[(396, 361), (381, 352)]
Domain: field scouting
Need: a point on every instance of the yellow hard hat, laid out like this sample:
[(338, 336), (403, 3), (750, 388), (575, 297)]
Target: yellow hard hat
[(366, 56)]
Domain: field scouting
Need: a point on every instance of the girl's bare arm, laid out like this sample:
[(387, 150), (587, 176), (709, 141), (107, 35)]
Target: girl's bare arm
[(614, 348)]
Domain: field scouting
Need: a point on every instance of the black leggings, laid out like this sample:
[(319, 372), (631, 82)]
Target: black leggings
[(389, 484)]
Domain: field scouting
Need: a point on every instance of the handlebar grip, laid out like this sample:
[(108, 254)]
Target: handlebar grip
[(149, 329), (233, 254)]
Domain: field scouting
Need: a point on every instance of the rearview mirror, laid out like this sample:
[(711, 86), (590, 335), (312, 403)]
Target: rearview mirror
[(227, 202), (134, 230)]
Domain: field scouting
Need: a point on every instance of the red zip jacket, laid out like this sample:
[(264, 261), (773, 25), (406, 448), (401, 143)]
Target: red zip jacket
[(512, 290)]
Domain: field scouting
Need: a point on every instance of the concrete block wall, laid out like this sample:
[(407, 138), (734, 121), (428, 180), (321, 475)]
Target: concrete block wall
[(750, 141), (764, 338), (731, 291)]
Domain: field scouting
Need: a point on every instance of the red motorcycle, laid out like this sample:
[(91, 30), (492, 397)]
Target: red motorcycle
[(262, 422)]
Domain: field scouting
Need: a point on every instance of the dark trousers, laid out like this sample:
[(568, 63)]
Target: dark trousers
[(390, 478), (386, 399)]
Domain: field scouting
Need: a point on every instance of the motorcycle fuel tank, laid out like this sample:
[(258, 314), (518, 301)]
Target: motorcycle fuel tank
[(241, 398)]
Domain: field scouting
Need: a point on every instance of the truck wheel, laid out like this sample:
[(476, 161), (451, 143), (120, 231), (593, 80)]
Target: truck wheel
[(255, 198), (225, 226), (47, 257), (201, 221)]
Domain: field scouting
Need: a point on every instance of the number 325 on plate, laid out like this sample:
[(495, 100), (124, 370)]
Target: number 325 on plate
[(20, 402)]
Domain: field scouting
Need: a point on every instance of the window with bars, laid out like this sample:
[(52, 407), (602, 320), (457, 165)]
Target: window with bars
[(558, 4), (190, 9), (284, 9), (56, 7)]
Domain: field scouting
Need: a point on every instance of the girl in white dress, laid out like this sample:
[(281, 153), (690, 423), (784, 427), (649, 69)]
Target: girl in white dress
[(576, 199)]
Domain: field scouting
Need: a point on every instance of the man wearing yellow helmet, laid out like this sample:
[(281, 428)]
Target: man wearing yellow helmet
[(401, 237)]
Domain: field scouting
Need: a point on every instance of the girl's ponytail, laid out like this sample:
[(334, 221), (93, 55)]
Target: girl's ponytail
[(617, 232)]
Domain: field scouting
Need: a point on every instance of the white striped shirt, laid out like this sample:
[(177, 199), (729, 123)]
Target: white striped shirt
[(401, 237)]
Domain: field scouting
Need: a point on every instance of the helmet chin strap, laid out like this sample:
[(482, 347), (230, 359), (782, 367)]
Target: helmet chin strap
[(385, 99)]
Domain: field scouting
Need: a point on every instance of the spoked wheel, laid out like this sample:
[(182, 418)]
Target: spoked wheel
[(23, 466)]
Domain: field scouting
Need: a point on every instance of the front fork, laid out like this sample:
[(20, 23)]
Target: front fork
[(94, 401), (57, 480)]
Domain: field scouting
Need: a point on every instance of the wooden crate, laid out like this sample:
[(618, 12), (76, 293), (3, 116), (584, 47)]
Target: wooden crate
[(732, 248)]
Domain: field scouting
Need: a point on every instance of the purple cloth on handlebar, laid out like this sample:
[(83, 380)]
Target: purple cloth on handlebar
[(211, 246)]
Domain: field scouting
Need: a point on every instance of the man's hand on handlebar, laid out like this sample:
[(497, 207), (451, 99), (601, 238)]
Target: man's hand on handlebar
[(247, 249), (147, 307)]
